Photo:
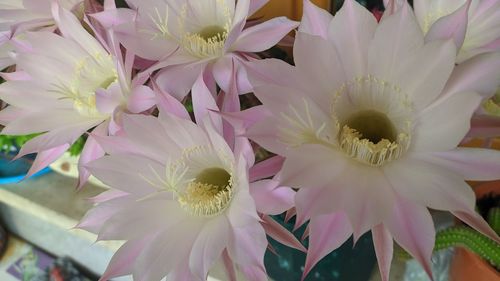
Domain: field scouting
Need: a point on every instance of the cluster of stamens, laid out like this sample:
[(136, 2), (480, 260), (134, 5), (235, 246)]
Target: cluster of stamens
[(368, 134), (91, 73)]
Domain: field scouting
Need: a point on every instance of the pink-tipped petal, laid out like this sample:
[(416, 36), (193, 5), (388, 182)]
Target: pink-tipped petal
[(315, 20), (452, 26), (228, 266), (384, 247), (270, 198), (204, 103), (141, 99), (266, 168), (263, 36), (473, 163), (91, 151), (327, 233), (123, 261), (178, 80), (477, 222), (167, 103), (45, 158), (255, 5), (281, 234), (412, 227)]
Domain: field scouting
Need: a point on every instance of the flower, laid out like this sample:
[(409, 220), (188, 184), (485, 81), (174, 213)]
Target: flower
[(475, 24), (17, 16), (177, 187), (369, 120), (193, 39), (64, 86)]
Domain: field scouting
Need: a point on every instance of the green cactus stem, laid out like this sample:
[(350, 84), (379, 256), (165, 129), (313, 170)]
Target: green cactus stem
[(494, 219), (466, 237)]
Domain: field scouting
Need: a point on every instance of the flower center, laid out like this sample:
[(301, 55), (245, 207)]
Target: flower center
[(370, 137), (373, 118), (91, 73), (208, 194), (209, 42)]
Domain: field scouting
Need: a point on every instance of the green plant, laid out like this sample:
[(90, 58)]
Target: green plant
[(464, 236)]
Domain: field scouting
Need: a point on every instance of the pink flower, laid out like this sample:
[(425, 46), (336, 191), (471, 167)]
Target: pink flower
[(369, 121), (18, 16), (66, 85), (180, 198), (473, 24), (193, 39)]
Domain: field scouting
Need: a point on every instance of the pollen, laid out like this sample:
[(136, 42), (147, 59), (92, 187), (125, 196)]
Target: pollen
[(209, 194)]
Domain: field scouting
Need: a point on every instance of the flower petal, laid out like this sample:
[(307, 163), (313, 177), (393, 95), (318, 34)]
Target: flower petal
[(315, 20), (351, 30), (429, 184), (281, 234), (327, 233), (436, 131), (270, 198), (412, 227), (480, 74), (263, 36), (472, 163), (208, 247), (382, 241), (452, 26)]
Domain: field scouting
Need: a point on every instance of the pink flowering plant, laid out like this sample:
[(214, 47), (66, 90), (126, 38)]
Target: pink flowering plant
[(360, 134)]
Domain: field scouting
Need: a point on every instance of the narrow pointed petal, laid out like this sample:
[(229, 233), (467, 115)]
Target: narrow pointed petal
[(91, 151), (178, 80), (123, 261), (452, 26), (473, 163), (228, 266), (412, 227), (263, 36), (167, 103), (45, 158), (266, 168), (384, 247), (255, 5), (270, 198), (477, 222), (281, 234), (315, 20), (327, 233), (141, 99), (204, 103)]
